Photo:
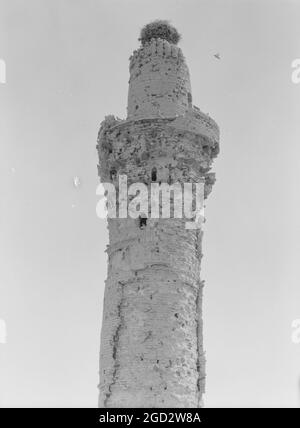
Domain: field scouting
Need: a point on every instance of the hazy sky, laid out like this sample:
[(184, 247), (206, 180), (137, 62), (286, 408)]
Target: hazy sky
[(67, 67)]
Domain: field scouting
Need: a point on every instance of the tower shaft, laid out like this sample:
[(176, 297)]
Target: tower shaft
[(151, 351)]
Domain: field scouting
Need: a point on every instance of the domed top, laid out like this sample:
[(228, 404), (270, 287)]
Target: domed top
[(159, 29)]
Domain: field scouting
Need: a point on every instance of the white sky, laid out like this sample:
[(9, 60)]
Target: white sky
[(67, 67)]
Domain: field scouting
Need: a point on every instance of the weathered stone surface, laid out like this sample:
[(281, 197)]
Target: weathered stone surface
[(151, 342), (159, 84)]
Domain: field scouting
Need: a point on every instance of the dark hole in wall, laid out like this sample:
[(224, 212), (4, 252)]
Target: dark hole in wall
[(154, 174), (142, 222), (113, 173), (189, 97)]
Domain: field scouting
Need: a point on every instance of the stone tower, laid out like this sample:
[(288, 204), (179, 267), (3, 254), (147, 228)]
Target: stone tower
[(151, 351)]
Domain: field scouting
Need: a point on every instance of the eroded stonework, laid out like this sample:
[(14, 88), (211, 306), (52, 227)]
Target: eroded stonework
[(151, 341)]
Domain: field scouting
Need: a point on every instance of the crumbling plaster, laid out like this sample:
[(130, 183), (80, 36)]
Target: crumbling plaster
[(151, 342)]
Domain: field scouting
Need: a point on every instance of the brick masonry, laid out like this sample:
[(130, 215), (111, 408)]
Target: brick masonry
[(151, 351)]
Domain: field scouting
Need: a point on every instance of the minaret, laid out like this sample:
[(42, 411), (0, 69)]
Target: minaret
[(151, 351)]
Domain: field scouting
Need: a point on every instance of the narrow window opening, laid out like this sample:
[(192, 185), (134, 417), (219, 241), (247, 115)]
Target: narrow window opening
[(154, 174), (142, 222), (189, 96), (113, 173)]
